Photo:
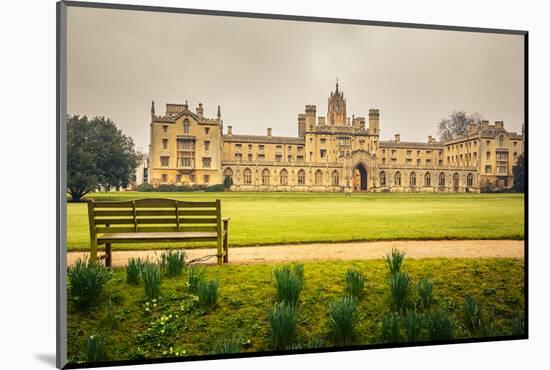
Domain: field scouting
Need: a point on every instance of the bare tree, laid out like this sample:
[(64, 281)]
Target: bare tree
[(457, 124)]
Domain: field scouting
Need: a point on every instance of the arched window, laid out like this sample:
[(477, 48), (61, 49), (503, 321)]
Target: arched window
[(397, 178), (382, 178), (265, 177), (501, 140), (456, 180), (470, 180), (229, 173), (247, 174), (335, 178), (318, 177), (283, 177), (427, 179), (186, 126), (441, 179), (412, 179), (301, 177)]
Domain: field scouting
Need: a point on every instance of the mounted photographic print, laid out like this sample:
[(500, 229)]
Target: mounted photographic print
[(236, 185)]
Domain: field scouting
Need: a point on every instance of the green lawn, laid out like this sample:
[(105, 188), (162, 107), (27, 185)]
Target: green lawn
[(138, 328), (272, 218)]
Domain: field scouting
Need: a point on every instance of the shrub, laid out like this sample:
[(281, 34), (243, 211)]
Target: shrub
[(394, 260), (440, 325), (424, 288), (145, 187), (228, 345), (355, 283), (96, 349), (472, 314), (110, 314), (86, 282), (413, 325), (316, 342), (399, 291), (518, 326), (214, 188), (152, 277), (207, 291), (133, 270), (283, 319), (194, 276), (343, 319), (487, 329), (289, 283), (390, 328), (173, 262)]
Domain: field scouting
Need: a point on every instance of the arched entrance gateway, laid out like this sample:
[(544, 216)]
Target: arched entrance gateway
[(360, 178)]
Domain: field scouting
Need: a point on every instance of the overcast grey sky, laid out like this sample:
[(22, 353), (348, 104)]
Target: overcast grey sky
[(263, 72)]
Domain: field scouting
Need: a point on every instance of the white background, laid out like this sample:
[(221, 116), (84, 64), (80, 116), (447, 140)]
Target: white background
[(27, 183)]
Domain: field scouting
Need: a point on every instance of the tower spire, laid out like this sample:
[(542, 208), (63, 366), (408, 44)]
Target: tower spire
[(336, 85), (153, 108), (219, 113)]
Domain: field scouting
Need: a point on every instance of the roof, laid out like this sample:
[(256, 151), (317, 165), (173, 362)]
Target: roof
[(412, 145), (173, 118), (263, 139)]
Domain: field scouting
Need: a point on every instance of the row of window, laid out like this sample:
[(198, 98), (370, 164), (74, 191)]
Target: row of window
[(164, 178), (186, 127), (283, 177), (409, 161), (261, 157), (185, 145), (261, 148), (427, 179), (186, 160)]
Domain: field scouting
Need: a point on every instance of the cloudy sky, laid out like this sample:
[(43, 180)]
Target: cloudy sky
[(263, 72)]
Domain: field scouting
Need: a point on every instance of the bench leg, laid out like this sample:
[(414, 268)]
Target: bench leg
[(108, 255), (93, 252), (225, 248)]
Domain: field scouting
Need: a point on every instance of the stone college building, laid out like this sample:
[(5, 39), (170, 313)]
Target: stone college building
[(335, 153)]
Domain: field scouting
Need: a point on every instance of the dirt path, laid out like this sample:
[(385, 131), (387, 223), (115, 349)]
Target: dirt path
[(341, 251)]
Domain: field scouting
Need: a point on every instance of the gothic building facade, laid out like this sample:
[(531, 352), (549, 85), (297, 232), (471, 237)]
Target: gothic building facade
[(335, 153)]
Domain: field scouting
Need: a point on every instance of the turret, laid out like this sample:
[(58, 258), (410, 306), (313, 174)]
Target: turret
[(336, 113), (374, 122), (152, 110)]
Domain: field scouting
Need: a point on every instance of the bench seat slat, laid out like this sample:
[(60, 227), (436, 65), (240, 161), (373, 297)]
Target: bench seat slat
[(157, 236)]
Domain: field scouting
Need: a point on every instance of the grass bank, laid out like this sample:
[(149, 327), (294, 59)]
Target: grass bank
[(137, 328)]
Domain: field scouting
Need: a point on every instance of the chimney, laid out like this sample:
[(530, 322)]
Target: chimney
[(311, 112), (269, 132), (430, 139), (301, 125), (229, 130), (397, 138), (499, 124), (484, 124)]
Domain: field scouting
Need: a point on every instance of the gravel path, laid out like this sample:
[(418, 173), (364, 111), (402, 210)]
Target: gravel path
[(341, 251)]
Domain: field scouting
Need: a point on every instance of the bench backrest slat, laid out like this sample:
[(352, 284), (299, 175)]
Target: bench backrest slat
[(153, 215)]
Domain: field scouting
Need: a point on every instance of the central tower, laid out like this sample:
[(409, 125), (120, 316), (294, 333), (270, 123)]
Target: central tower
[(336, 112)]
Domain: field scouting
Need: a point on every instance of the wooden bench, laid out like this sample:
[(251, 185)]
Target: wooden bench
[(154, 221)]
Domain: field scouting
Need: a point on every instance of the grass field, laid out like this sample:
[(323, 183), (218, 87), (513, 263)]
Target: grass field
[(137, 328), (273, 218)]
